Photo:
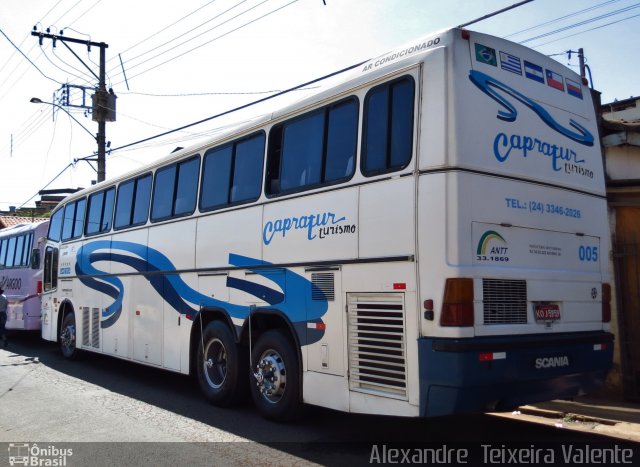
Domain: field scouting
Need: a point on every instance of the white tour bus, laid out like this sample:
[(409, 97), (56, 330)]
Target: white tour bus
[(427, 237), (21, 249)]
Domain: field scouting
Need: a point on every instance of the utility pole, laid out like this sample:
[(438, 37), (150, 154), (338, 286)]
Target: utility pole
[(104, 102), (581, 61)]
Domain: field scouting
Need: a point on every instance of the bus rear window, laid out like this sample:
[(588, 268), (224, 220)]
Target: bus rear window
[(388, 127)]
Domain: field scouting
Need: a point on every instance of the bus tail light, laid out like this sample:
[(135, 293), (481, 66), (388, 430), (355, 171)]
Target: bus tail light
[(491, 356), (457, 307), (606, 303), (39, 287)]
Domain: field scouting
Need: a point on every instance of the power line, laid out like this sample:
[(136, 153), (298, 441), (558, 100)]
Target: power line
[(142, 54), (66, 12), (67, 72), (167, 27), (27, 58), (83, 74), (130, 67), (586, 30), (50, 182), (236, 109), (218, 37), (83, 14), (582, 23), (575, 13), (482, 18), (200, 94)]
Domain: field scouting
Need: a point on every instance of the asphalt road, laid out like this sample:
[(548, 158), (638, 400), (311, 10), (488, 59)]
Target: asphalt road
[(114, 412)]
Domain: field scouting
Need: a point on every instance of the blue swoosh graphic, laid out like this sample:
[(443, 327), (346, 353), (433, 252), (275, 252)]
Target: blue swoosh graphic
[(159, 272), (490, 86)]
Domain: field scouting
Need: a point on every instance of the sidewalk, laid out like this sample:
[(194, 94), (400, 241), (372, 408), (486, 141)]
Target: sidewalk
[(589, 408), (599, 414)]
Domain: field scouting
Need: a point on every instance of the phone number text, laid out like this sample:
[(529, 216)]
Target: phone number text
[(539, 207)]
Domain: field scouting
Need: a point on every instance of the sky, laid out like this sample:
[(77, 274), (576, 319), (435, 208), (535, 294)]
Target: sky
[(189, 60)]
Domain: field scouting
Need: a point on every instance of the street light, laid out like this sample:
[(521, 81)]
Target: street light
[(37, 100)]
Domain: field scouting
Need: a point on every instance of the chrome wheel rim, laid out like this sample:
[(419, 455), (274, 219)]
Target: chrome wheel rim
[(215, 363), (271, 376)]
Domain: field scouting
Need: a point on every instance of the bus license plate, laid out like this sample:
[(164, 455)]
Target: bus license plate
[(547, 312)]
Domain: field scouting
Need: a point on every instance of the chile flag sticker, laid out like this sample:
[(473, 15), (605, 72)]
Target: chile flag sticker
[(555, 80)]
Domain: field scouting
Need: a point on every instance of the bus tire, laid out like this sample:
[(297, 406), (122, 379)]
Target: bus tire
[(221, 366), (68, 336), (275, 380)]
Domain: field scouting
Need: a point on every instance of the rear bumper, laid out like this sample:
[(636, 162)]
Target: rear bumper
[(526, 369)]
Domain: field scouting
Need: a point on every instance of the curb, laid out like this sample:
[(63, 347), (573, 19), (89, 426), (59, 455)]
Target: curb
[(530, 410)]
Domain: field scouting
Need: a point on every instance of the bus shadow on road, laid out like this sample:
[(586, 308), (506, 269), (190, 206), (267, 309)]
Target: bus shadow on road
[(307, 438)]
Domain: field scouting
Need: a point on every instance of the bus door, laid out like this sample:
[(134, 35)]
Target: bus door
[(49, 287)]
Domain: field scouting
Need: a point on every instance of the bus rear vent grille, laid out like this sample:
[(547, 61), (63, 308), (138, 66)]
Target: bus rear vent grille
[(95, 327), (86, 326), (505, 301), (377, 349), (323, 287), (91, 327)]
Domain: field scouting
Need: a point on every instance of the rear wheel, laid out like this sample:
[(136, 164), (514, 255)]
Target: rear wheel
[(68, 336), (275, 388), (221, 366)]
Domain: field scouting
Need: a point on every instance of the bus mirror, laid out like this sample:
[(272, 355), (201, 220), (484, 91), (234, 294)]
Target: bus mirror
[(41, 240), (35, 259)]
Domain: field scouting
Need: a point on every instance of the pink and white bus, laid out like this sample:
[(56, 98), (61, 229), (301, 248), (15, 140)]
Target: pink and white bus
[(21, 250)]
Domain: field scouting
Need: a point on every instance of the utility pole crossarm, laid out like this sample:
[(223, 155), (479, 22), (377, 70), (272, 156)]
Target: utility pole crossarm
[(69, 39)]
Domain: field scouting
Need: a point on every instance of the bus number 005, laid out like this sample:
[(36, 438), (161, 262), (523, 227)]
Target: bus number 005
[(588, 253)]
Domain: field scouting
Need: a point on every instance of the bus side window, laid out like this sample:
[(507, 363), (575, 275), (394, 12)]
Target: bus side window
[(55, 225), (232, 174), (19, 251), (100, 212), (388, 127), (247, 170), (35, 258), (73, 222), (141, 200), (163, 189), (315, 149), (124, 204), (186, 187), (94, 213), (78, 223), (11, 251), (132, 203), (26, 255), (175, 190), (107, 211), (50, 269), (216, 177)]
